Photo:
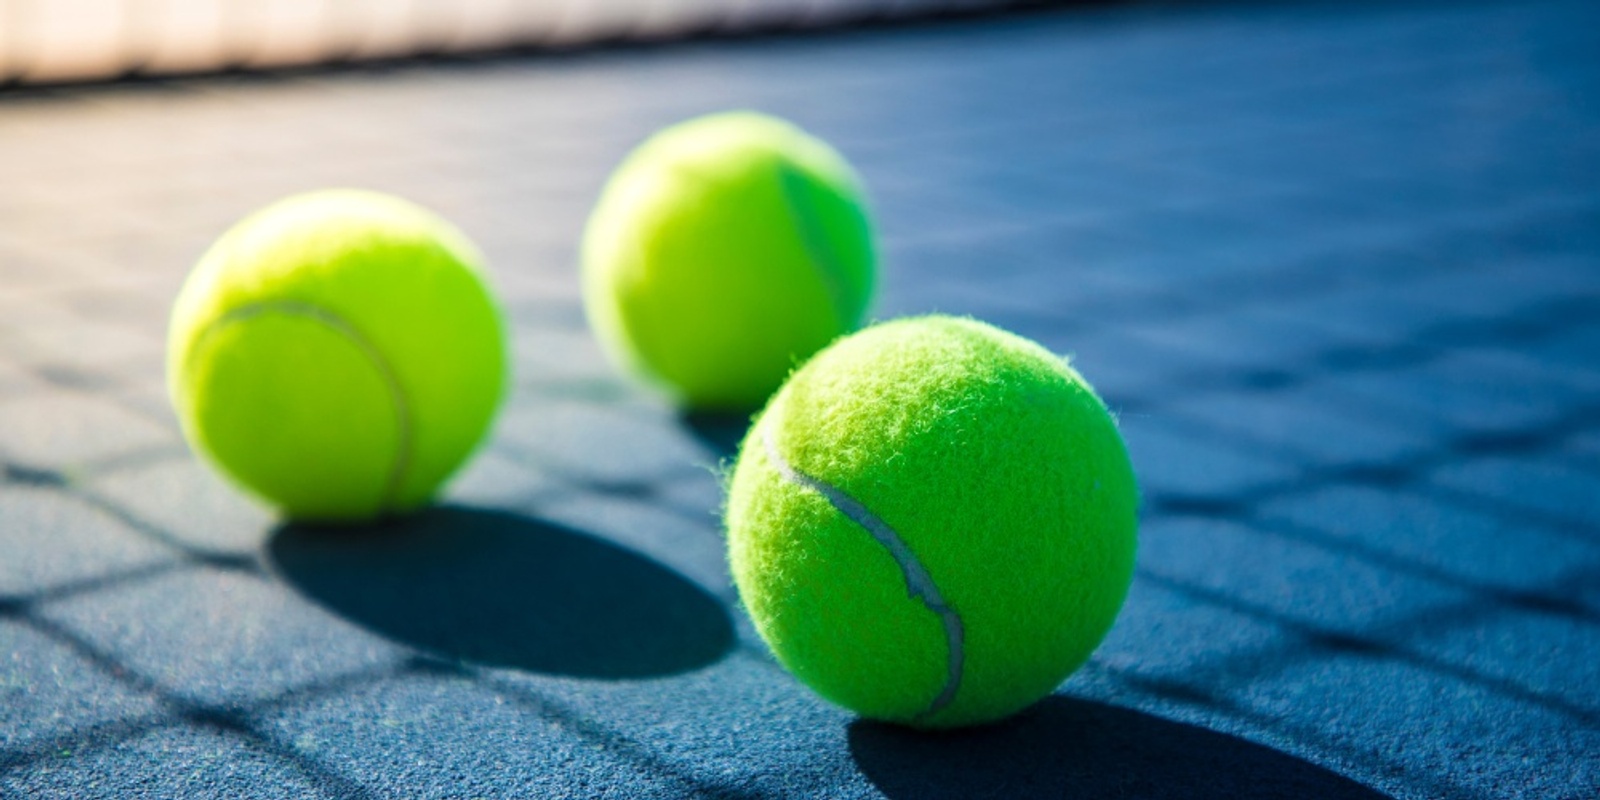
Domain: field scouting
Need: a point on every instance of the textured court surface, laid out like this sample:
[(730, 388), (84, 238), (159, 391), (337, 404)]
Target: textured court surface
[(1337, 268)]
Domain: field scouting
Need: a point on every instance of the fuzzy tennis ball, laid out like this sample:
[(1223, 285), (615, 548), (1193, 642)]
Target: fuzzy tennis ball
[(338, 354), (933, 522), (724, 251)]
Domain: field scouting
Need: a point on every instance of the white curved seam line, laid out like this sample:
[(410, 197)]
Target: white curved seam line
[(402, 411), (815, 241), (919, 584)]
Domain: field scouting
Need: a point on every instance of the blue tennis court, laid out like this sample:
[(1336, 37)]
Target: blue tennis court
[(1336, 268)]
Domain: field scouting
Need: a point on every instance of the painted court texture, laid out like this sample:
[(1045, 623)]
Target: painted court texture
[(1335, 266)]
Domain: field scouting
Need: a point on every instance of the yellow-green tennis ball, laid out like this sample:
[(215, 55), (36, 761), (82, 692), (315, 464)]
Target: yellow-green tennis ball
[(724, 251), (933, 522), (338, 354)]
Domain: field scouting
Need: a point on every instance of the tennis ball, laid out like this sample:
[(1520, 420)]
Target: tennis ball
[(933, 522), (338, 354), (722, 252)]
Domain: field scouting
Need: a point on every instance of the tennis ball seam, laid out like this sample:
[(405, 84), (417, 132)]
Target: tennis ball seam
[(814, 240), (919, 584), (343, 327)]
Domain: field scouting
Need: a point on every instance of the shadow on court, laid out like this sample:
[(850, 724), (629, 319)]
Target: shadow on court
[(1065, 747), (720, 431), (506, 590)]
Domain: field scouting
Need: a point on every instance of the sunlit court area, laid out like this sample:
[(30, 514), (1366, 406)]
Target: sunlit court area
[(800, 398)]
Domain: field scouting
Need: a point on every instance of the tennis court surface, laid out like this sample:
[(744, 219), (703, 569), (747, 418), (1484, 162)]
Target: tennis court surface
[(1335, 266)]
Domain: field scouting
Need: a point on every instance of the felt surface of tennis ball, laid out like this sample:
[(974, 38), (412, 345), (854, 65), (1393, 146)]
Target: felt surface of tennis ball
[(338, 354), (724, 251), (933, 522)]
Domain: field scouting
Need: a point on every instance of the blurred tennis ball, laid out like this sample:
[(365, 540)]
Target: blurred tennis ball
[(338, 354), (724, 251), (933, 522)]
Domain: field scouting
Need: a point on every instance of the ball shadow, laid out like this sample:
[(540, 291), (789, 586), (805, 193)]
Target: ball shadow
[(1065, 747), (720, 431), (505, 590)]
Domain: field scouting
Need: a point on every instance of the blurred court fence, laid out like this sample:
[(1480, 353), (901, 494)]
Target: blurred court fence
[(44, 41)]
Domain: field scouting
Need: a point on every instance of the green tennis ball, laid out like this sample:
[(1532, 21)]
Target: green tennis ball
[(933, 522), (722, 252), (338, 354)]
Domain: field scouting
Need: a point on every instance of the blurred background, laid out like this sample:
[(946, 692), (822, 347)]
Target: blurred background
[(58, 40)]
